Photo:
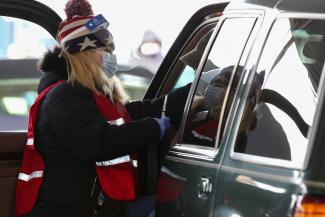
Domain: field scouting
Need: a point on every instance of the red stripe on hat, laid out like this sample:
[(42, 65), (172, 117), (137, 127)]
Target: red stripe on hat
[(73, 19), (66, 23), (65, 33)]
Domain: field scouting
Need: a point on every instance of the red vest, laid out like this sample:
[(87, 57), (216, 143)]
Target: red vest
[(115, 176)]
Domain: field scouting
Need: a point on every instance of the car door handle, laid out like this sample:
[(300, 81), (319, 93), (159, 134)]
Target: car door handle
[(205, 187)]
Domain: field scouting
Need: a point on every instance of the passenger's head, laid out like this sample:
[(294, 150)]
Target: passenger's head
[(86, 42), (215, 92)]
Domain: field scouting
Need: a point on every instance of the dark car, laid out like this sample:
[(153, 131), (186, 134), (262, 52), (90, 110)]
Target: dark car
[(254, 150)]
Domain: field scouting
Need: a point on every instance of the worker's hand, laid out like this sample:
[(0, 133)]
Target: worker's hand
[(164, 123)]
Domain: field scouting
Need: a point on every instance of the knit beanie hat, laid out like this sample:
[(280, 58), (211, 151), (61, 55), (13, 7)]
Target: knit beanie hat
[(82, 30)]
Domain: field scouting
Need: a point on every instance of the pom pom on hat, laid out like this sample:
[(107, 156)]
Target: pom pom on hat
[(78, 7)]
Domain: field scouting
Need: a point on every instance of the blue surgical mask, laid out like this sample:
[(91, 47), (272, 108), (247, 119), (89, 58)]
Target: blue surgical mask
[(109, 64), (213, 96)]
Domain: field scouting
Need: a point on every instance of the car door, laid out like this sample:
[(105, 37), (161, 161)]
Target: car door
[(18, 83), (187, 181), (267, 144)]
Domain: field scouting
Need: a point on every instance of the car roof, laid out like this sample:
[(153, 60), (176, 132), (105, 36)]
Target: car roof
[(294, 6)]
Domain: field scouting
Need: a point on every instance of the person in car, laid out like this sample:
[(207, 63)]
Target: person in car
[(203, 125), (82, 139)]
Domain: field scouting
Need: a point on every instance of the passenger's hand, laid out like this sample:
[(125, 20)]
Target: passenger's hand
[(164, 123)]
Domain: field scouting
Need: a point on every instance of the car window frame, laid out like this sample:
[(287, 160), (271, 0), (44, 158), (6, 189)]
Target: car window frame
[(33, 11), (268, 161), (168, 86), (199, 151)]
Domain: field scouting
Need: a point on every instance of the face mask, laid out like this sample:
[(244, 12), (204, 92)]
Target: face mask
[(109, 64), (213, 96)]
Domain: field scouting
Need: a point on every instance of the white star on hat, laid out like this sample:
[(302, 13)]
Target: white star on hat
[(87, 43)]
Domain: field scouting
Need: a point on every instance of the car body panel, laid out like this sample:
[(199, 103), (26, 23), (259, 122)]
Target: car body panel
[(261, 187), (257, 186)]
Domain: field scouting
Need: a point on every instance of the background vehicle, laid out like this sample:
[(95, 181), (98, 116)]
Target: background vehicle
[(265, 157)]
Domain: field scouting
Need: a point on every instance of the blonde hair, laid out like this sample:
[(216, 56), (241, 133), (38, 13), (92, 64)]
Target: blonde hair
[(83, 68)]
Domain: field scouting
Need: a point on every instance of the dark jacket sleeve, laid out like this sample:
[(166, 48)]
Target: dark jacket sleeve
[(75, 120), (153, 108)]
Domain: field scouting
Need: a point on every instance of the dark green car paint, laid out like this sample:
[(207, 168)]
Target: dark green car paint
[(244, 187)]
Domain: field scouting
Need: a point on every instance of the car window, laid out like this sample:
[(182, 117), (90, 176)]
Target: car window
[(22, 44), (203, 119), (189, 60), (282, 101)]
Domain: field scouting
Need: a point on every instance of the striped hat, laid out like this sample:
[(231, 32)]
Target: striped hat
[(82, 30)]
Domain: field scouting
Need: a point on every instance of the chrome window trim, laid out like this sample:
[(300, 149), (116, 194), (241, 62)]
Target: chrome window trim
[(162, 90), (263, 160), (194, 162), (179, 152), (267, 161), (197, 77), (194, 151)]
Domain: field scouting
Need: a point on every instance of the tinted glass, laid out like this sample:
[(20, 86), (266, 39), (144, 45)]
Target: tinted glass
[(282, 101), (203, 119), (186, 66)]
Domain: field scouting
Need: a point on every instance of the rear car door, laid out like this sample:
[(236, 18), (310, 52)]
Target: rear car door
[(264, 164), (20, 49), (187, 181)]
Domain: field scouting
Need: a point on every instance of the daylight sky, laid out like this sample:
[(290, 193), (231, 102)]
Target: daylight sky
[(129, 19)]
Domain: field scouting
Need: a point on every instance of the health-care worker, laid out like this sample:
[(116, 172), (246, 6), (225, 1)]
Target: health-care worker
[(82, 139)]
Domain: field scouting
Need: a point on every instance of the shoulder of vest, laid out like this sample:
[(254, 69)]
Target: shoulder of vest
[(65, 90)]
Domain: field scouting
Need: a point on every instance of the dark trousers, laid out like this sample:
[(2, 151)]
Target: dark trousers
[(142, 207)]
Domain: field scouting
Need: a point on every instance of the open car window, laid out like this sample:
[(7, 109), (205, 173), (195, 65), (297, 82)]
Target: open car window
[(185, 68), (211, 93)]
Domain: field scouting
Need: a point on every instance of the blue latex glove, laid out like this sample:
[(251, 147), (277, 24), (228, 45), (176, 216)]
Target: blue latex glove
[(164, 123)]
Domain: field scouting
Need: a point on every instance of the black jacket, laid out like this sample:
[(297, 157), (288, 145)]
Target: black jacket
[(71, 134)]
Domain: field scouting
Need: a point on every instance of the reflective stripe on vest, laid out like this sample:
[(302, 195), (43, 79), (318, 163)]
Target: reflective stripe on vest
[(117, 122), (119, 160), (33, 175), (30, 141), (116, 181)]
